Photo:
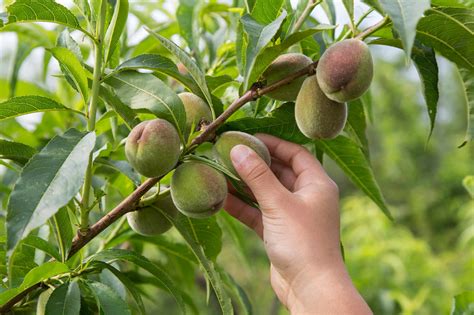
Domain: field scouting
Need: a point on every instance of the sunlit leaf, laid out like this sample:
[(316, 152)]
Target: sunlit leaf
[(40, 11), (450, 31), (49, 180), (23, 105), (405, 15)]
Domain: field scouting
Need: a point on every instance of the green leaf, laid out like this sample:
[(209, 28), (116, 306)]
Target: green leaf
[(63, 231), (187, 228), (23, 105), (41, 11), (350, 158), (116, 27), (49, 180), (122, 167), (453, 3), (65, 40), (468, 183), (161, 64), (108, 301), (349, 5), (186, 15), (16, 151), (468, 87), (450, 31), (147, 92), (65, 300), (23, 50), (258, 38), (280, 123), (427, 67), (190, 65), (357, 124), (73, 67), (38, 274), (425, 62), (405, 15), (237, 292), (463, 304), (111, 255), (41, 244), (129, 284), (265, 11), (125, 112)]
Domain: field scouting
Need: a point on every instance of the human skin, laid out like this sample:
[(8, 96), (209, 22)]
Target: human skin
[(299, 223)]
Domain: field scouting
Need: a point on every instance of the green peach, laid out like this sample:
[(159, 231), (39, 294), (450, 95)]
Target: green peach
[(198, 190), (280, 68), (153, 147), (196, 109), (317, 116), (229, 139), (345, 70), (149, 221)]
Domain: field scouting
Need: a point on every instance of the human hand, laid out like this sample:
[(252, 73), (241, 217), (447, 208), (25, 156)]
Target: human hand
[(299, 223)]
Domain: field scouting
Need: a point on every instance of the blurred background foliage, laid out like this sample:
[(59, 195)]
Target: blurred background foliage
[(414, 265)]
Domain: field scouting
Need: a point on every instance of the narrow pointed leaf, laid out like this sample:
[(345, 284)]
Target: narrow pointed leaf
[(265, 11), (73, 67), (116, 27), (48, 182), (108, 301), (450, 31), (467, 78), (405, 15), (147, 92), (38, 274), (16, 151), (23, 105), (259, 36), (162, 276), (350, 158), (41, 11), (192, 67), (65, 300)]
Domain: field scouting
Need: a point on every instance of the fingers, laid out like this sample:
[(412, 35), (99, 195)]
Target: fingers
[(246, 214), (306, 167), (284, 174), (292, 154), (266, 188)]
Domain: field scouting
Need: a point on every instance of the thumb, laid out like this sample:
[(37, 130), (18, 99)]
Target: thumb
[(266, 188)]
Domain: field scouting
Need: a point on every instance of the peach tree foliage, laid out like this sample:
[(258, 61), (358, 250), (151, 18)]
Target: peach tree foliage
[(68, 185)]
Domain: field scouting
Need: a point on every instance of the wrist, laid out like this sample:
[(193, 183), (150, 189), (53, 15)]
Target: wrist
[(317, 284)]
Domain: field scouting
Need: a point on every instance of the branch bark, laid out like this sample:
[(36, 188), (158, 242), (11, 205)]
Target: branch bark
[(130, 203)]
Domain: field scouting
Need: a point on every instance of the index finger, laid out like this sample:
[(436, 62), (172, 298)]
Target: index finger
[(293, 155)]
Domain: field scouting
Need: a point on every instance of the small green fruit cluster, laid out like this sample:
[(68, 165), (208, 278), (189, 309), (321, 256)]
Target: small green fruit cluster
[(198, 190), (344, 73)]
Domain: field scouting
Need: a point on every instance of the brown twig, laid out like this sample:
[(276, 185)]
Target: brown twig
[(373, 28), (129, 204)]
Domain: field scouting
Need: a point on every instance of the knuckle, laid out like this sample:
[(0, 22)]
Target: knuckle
[(257, 173)]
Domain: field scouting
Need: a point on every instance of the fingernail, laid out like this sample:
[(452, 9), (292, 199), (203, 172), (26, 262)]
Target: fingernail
[(240, 153)]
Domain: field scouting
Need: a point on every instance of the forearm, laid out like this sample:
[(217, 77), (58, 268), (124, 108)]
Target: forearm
[(328, 291)]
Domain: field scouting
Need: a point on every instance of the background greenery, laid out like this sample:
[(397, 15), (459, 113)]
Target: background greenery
[(413, 265)]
